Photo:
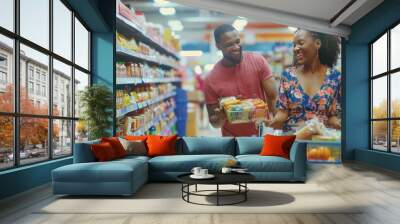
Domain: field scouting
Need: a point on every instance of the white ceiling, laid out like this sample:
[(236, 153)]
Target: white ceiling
[(308, 14), (321, 9)]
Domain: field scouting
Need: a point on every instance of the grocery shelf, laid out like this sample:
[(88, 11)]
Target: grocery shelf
[(136, 81), (125, 54), (147, 126), (129, 27), (137, 106), (169, 126)]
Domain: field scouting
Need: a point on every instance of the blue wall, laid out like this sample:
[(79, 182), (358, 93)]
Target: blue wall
[(99, 16), (356, 132)]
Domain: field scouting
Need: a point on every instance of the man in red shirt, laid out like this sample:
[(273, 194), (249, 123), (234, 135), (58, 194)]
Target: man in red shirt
[(240, 74)]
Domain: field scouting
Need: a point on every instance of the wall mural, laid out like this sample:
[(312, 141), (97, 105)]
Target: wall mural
[(245, 97)]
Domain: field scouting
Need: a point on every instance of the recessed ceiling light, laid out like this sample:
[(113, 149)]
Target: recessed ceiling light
[(161, 2), (191, 53), (167, 11)]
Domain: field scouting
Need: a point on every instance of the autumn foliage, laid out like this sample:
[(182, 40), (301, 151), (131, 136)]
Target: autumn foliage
[(33, 131)]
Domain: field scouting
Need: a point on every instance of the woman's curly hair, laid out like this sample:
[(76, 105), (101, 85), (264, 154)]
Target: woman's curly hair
[(329, 50)]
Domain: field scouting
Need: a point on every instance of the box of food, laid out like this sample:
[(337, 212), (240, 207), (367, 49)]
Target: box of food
[(324, 153), (244, 110)]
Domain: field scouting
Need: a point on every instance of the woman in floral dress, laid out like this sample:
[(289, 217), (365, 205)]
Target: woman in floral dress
[(311, 88)]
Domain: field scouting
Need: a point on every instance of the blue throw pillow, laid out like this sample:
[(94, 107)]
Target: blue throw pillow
[(208, 145), (249, 145)]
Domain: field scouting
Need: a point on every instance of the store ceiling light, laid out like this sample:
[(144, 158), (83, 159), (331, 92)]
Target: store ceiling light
[(175, 25), (167, 11), (240, 23), (161, 2), (191, 53)]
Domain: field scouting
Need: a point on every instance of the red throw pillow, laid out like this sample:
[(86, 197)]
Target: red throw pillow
[(161, 145), (103, 152), (277, 145), (136, 138), (116, 145)]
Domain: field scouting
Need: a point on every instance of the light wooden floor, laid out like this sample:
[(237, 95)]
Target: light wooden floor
[(379, 189)]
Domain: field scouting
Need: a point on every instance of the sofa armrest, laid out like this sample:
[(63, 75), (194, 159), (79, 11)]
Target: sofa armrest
[(83, 152), (299, 159)]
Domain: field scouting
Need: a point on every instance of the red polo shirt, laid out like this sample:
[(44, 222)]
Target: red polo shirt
[(244, 80)]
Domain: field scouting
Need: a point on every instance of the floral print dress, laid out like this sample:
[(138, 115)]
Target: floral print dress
[(301, 106)]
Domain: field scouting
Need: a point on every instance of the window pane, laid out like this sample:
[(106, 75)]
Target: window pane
[(35, 21), (6, 142), (395, 136), (81, 81), (6, 74), (62, 89), (33, 139), (395, 47), (81, 45), (62, 141), (62, 29), (379, 97), (81, 131), (7, 14), (395, 94), (379, 135), (35, 102), (379, 55)]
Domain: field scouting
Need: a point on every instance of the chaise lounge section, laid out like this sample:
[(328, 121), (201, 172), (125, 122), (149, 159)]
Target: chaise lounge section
[(125, 176)]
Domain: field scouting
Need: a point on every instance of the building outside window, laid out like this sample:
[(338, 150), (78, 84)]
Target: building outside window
[(30, 87), (3, 78), (30, 72), (43, 90), (3, 71)]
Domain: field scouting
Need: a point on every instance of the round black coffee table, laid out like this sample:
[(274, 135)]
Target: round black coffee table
[(238, 179)]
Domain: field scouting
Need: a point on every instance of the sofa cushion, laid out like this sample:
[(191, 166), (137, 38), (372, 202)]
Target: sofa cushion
[(257, 163), (83, 152), (134, 147), (116, 145), (208, 145), (277, 145), (161, 145), (185, 163), (103, 152), (112, 171), (249, 145)]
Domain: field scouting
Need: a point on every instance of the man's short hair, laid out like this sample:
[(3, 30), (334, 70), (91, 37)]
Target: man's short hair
[(221, 29)]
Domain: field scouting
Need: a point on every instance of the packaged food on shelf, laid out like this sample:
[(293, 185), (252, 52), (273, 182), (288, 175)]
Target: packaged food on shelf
[(244, 110), (158, 116)]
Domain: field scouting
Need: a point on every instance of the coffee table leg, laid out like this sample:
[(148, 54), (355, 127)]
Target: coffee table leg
[(245, 191), (217, 194), (196, 188)]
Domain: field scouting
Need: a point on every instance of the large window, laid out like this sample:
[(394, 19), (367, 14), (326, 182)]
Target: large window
[(44, 64), (385, 94)]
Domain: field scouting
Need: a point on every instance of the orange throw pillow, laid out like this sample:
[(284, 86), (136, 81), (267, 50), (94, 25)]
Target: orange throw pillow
[(116, 145), (161, 145), (136, 138), (277, 145), (103, 152)]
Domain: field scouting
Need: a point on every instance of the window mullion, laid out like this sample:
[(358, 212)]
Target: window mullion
[(73, 81), (389, 106)]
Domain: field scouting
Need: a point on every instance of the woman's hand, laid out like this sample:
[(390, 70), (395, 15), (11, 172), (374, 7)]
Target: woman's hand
[(278, 120), (334, 122)]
